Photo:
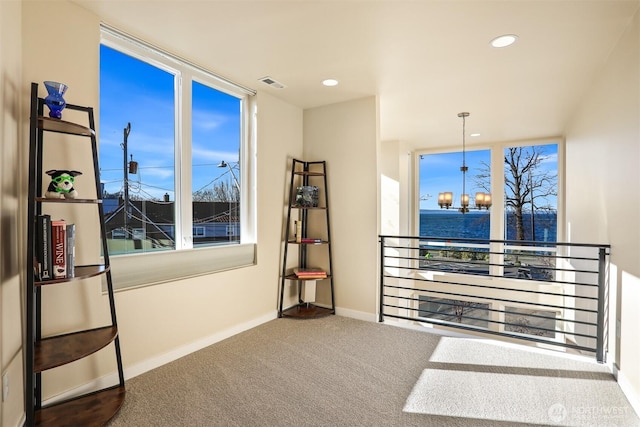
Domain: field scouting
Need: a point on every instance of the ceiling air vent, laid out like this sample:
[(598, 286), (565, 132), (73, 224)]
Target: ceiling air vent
[(271, 82)]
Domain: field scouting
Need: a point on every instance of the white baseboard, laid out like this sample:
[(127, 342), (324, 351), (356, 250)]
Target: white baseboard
[(359, 315), (163, 359), (628, 390)]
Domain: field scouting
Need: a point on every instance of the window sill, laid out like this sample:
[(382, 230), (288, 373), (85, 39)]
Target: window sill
[(138, 270)]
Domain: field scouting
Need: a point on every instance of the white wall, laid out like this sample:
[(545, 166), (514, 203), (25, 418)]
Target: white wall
[(11, 136), (603, 185), (345, 136), (161, 322)]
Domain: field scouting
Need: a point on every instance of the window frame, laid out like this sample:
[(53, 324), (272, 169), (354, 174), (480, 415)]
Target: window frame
[(209, 259), (497, 225)]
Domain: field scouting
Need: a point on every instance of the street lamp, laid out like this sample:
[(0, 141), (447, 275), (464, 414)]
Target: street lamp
[(224, 164)]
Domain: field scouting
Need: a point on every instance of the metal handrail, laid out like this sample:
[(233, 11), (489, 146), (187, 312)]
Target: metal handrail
[(550, 293)]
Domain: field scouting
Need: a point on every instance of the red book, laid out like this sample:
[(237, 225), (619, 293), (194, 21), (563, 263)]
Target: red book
[(59, 248), (310, 240)]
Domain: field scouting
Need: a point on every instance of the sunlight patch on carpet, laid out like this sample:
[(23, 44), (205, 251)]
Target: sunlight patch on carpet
[(514, 398), (514, 385)]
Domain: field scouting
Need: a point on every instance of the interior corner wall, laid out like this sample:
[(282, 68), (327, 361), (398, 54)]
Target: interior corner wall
[(345, 135), (161, 322), (11, 135), (396, 184), (390, 189), (603, 185)]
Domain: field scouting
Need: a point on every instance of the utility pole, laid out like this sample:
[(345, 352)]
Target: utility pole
[(127, 207)]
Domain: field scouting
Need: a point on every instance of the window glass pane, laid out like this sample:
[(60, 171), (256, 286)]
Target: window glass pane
[(531, 192), (458, 311), (530, 321), (136, 162), (441, 173), (216, 133)]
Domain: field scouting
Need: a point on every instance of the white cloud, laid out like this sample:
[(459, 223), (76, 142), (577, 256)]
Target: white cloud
[(208, 121), (202, 154)]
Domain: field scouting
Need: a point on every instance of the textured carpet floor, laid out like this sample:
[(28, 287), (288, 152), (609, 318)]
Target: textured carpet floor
[(337, 371)]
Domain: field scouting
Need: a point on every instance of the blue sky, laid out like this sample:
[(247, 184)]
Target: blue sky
[(441, 172), (132, 91)]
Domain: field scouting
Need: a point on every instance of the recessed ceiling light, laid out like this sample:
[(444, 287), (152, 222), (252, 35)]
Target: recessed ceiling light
[(330, 82), (504, 41), (475, 134)]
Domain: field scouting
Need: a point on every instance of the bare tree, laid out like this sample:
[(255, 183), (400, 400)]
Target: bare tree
[(143, 198), (526, 184), (221, 192), (525, 181)]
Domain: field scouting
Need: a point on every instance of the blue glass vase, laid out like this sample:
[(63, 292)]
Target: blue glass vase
[(55, 100)]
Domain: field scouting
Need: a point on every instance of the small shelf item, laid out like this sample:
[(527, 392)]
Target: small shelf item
[(46, 237), (307, 196), (310, 273), (307, 209), (54, 99)]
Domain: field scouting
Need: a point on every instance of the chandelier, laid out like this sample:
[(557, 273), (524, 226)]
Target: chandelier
[(482, 200)]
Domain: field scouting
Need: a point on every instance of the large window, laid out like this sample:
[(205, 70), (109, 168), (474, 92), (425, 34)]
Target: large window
[(440, 172), (528, 204), (524, 208), (137, 152), (215, 164), (531, 192), (174, 147)]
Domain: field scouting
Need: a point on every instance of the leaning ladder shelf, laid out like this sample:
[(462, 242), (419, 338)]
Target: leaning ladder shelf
[(307, 174), (44, 353)]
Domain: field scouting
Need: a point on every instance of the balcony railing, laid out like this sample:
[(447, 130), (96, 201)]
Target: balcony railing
[(550, 294)]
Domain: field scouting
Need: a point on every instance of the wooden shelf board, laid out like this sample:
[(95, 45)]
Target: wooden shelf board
[(61, 349), (307, 207), (307, 311), (62, 126), (50, 200), (308, 173), (81, 272), (94, 409), (293, 276)]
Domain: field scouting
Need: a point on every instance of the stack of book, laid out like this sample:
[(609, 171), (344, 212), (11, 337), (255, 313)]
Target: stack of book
[(55, 249), (310, 273)]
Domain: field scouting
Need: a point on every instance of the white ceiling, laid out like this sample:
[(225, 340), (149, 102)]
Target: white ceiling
[(425, 60)]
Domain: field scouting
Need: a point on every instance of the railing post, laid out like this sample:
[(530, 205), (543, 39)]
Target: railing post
[(381, 293), (600, 353)]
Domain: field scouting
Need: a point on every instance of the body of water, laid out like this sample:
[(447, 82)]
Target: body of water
[(475, 225)]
